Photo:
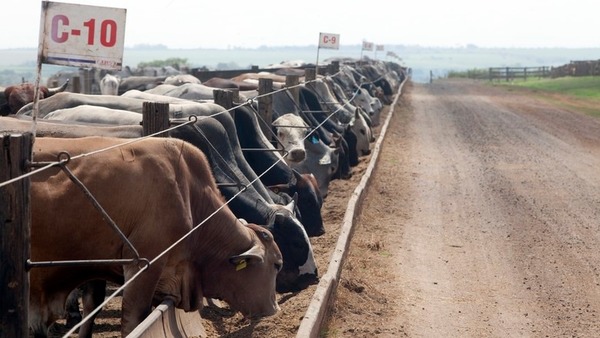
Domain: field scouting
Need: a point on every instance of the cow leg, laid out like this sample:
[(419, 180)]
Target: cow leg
[(137, 297), (72, 314), (44, 310), (93, 294)]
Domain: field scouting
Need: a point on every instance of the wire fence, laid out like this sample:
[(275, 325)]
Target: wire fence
[(512, 73), (250, 102), (573, 68)]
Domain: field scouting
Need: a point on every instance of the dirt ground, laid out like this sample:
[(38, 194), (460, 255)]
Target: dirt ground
[(481, 220)]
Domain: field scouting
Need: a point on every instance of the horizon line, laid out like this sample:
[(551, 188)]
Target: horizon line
[(262, 47)]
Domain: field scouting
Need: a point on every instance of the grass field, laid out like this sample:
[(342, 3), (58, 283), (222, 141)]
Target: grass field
[(580, 94), (583, 87)]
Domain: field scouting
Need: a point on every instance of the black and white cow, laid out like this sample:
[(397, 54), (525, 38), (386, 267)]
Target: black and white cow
[(262, 157), (299, 268)]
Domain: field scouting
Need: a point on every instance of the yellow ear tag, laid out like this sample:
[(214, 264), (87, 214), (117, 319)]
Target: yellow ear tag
[(240, 265)]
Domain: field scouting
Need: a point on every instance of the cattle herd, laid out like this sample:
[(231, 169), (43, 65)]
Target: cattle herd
[(220, 208)]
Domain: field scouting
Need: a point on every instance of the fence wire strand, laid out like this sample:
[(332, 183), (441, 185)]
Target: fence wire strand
[(193, 119)]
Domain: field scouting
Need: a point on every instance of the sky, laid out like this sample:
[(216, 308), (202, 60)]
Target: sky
[(251, 24)]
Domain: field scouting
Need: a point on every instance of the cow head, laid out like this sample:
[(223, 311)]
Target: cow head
[(299, 266), (364, 100), (362, 130), (109, 85), (306, 194), (339, 142), (291, 131), (250, 276), (310, 202), (321, 160), (19, 95)]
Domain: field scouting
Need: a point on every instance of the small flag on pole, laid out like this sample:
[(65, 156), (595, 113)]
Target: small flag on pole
[(328, 40)]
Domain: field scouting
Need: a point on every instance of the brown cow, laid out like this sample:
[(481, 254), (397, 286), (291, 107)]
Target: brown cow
[(156, 191), (219, 82), (17, 96), (260, 75)]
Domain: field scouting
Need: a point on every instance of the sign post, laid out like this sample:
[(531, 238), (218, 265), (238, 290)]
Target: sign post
[(366, 45), (326, 40), (82, 36), (379, 48), (71, 35)]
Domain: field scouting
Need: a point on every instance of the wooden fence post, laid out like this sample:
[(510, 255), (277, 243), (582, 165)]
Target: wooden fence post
[(226, 98), (293, 81), (155, 117), (76, 84), (265, 105), (310, 74), (15, 228), (87, 81)]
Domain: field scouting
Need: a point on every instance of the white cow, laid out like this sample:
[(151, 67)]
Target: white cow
[(109, 85), (95, 114), (179, 79), (369, 104), (291, 131)]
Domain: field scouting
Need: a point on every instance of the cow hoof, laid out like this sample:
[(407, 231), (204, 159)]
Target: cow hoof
[(73, 319)]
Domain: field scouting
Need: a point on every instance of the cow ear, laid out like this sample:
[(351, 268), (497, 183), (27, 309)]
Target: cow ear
[(325, 160), (44, 92), (261, 201), (335, 135), (292, 205), (297, 177), (256, 253)]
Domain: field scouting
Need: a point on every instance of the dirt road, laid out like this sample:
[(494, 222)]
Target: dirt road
[(483, 220)]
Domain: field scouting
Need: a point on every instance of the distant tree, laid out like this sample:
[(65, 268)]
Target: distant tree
[(473, 73), (148, 46), (177, 63)]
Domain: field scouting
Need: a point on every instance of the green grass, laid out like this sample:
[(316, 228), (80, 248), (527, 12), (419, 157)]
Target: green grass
[(580, 94), (587, 87)]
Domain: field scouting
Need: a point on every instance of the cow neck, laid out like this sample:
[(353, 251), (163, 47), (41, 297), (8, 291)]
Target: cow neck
[(261, 162), (223, 233)]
